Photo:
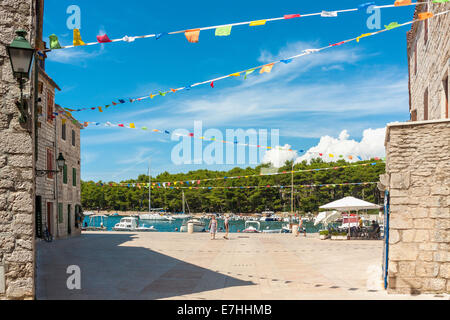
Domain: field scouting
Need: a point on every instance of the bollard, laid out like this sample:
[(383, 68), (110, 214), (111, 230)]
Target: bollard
[(190, 228), (295, 230)]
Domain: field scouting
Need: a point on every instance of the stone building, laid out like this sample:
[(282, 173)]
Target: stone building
[(418, 165), (16, 160), (58, 195)]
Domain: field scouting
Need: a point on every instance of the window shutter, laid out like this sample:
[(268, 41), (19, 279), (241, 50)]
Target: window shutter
[(60, 213), (74, 177), (65, 174), (50, 163)]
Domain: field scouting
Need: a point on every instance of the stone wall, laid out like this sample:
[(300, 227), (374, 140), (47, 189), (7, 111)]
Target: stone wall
[(418, 179), (16, 164), (429, 63)]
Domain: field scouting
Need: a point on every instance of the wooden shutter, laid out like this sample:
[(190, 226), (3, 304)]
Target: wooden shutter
[(414, 115), (425, 35), (65, 174), (49, 163), (74, 177), (446, 96), (50, 101)]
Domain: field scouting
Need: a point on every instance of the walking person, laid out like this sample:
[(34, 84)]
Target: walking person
[(227, 227), (213, 227)]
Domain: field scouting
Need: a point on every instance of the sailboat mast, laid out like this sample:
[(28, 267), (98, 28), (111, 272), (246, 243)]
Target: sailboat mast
[(182, 192), (149, 188)]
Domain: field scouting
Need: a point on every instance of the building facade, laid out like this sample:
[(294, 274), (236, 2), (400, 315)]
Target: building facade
[(418, 165), (17, 245), (429, 64), (58, 195)]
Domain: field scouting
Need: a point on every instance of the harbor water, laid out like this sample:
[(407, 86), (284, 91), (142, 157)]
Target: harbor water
[(174, 226)]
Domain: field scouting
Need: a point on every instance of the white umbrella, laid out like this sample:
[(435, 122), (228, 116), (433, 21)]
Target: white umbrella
[(350, 204)]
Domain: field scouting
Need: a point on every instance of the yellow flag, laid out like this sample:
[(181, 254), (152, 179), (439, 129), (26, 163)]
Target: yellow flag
[(257, 23), (237, 74), (132, 126), (64, 121), (363, 35), (100, 109), (331, 156), (152, 96), (77, 38), (267, 68)]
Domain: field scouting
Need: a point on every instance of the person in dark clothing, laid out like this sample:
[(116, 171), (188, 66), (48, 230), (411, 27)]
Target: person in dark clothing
[(375, 229)]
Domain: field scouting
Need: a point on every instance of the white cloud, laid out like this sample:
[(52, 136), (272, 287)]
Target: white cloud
[(370, 146), (73, 55), (278, 156)]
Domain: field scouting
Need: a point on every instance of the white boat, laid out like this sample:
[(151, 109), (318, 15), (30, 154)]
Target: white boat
[(182, 216), (199, 226), (251, 229), (96, 223), (131, 224), (153, 216)]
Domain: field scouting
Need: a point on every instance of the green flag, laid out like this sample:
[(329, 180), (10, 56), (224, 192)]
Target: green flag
[(440, 1), (392, 25), (54, 43), (248, 72), (223, 31)]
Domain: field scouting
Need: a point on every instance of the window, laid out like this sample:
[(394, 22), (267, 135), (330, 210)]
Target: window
[(445, 84), (74, 177), (65, 174), (425, 34), (60, 213), (63, 132), (73, 138), (50, 102), (425, 105), (50, 163), (40, 87)]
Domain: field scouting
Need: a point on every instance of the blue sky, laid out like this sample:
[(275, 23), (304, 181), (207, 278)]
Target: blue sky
[(353, 87)]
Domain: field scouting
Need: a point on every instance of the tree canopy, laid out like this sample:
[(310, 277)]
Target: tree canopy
[(306, 199)]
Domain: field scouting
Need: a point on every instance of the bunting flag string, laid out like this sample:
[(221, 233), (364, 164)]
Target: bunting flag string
[(265, 68), (192, 34), (235, 142), (199, 181), (146, 185)]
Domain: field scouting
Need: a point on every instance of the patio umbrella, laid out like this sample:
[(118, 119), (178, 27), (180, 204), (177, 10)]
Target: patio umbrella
[(350, 204)]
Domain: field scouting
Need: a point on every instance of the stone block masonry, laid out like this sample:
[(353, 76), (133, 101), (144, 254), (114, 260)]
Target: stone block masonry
[(16, 164), (418, 178)]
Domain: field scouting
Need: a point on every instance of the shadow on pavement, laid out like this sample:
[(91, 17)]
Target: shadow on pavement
[(112, 271)]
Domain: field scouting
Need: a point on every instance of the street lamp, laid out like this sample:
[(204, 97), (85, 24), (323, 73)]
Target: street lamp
[(21, 55), (60, 162)]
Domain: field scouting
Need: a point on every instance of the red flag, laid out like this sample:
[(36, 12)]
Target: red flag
[(291, 16), (212, 84), (121, 125), (103, 39)]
